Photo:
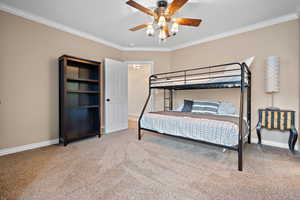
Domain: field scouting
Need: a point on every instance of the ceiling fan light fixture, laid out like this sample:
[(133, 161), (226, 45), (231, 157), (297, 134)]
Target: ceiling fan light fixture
[(150, 30), (174, 28), (136, 66), (162, 35), (162, 18), (161, 21)]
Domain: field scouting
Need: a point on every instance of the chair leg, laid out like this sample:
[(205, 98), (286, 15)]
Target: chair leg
[(259, 136), (258, 128), (294, 142), (293, 139)]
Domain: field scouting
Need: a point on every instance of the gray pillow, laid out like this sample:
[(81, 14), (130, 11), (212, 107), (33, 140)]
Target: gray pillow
[(226, 108), (187, 106), (205, 107)]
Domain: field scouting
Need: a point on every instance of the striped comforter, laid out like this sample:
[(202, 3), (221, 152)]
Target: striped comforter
[(214, 130)]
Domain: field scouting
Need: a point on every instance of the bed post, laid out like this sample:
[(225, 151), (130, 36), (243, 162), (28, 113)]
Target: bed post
[(249, 106), (144, 108), (240, 146), (171, 99)]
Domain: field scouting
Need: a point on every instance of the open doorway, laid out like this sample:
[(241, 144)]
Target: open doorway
[(138, 76)]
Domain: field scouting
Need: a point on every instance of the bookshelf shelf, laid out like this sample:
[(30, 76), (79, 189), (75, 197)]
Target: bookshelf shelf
[(82, 80), (84, 106), (83, 91)]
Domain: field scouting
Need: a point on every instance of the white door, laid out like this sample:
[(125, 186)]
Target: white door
[(116, 96)]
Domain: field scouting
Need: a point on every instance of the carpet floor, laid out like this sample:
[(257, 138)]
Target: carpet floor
[(118, 166)]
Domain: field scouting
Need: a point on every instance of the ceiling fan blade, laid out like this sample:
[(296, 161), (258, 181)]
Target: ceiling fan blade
[(138, 27), (174, 6), (166, 30), (140, 7), (188, 21)]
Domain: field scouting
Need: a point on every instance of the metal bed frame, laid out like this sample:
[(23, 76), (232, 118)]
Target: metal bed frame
[(187, 77)]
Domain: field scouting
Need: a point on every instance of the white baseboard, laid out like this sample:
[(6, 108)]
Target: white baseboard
[(274, 144), (133, 115), (28, 147), (56, 141)]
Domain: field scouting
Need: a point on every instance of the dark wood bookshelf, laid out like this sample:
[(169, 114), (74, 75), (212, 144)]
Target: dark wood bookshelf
[(86, 135), (82, 80), (85, 106), (80, 96), (83, 91), (82, 60)]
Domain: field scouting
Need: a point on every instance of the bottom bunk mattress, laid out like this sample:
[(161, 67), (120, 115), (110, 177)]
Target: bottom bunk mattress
[(217, 129)]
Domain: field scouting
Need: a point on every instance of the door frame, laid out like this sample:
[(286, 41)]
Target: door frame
[(152, 99)]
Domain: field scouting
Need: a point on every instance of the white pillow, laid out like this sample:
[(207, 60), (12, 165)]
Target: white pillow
[(248, 61), (226, 108), (179, 107)]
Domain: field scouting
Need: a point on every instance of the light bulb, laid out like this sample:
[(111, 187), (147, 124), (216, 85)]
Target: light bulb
[(162, 35), (150, 30), (161, 21), (174, 28), (137, 66)]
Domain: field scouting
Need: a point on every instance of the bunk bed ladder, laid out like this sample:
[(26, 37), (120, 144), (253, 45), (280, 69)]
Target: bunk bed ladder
[(168, 99)]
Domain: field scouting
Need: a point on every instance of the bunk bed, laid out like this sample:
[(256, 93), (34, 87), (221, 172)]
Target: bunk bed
[(230, 75)]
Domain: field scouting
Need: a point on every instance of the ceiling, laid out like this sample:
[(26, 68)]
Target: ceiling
[(109, 20)]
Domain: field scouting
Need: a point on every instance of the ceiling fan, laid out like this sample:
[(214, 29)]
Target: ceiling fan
[(162, 17)]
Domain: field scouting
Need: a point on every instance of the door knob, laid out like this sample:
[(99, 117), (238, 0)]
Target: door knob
[(107, 100)]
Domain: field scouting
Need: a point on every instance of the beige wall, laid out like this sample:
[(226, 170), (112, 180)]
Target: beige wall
[(137, 88), (281, 40), (29, 77), (29, 72)]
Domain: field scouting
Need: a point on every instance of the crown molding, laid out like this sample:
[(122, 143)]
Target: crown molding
[(50, 23), (146, 49), (245, 29)]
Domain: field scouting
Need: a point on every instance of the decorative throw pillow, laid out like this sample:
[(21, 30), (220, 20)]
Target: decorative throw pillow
[(205, 107), (226, 108), (187, 106)]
